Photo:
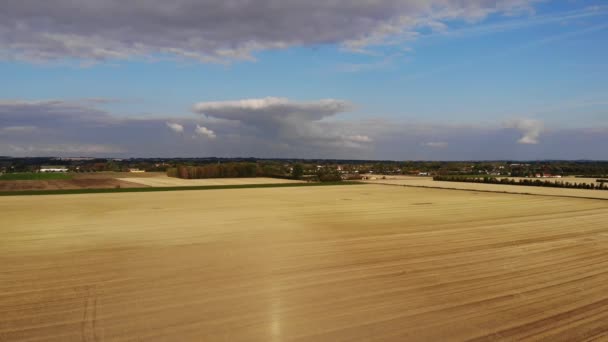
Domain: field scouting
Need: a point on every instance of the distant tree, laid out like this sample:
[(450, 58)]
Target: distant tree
[(523, 182), (297, 171), (329, 175)]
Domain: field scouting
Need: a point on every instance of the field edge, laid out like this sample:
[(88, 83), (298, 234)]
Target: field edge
[(158, 189)]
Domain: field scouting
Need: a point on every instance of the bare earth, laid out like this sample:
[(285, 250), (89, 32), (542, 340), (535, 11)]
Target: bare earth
[(76, 183), (164, 181), (109, 180), (515, 189), (344, 263)]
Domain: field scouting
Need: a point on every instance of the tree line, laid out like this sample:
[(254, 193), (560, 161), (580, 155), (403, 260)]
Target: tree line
[(248, 170), (524, 182), (227, 170)]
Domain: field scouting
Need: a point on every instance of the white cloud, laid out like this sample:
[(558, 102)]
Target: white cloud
[(530, 130), (175, 127), (536, 20), (205, 132), (436, 144)]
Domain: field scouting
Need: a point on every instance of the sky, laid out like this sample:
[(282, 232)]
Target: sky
[(339, 79)]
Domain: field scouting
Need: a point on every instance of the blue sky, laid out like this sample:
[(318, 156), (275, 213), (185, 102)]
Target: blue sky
[(468, 73)]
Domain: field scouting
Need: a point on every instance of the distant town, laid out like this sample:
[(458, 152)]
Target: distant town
[(284, 167)]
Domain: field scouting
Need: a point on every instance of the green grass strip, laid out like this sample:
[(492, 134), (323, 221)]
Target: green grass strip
[(34, 176), (158, 189)]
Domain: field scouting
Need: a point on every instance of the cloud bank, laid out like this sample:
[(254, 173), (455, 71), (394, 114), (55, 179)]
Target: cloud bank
[(278, 128), (221, 31)]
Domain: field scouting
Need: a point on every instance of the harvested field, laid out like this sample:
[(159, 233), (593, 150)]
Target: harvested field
[(515, 189), (343, 263), (110, 180), (56, 184), (164, 181), (109, 174)]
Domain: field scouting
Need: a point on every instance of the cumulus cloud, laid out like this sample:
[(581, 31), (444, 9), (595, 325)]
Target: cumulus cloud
[(175, 127), (530, 130), (205, 132), (271, 108), (220, 31), (289, 122)]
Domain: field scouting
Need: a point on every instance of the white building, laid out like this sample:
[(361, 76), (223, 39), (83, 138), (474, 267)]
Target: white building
[(53, 168)]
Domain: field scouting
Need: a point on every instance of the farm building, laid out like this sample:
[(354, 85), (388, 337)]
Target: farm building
[(53, 168)]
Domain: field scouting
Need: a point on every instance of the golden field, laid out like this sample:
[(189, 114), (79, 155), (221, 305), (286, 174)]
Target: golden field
[(427, 182), (336, 263)]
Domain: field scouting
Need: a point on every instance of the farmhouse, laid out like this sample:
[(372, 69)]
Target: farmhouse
[(53, 168)]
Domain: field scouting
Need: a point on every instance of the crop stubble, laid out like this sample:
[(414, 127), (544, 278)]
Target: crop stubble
[(331, 263)]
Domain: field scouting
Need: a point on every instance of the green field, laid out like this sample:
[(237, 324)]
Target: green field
[(34, 176)]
